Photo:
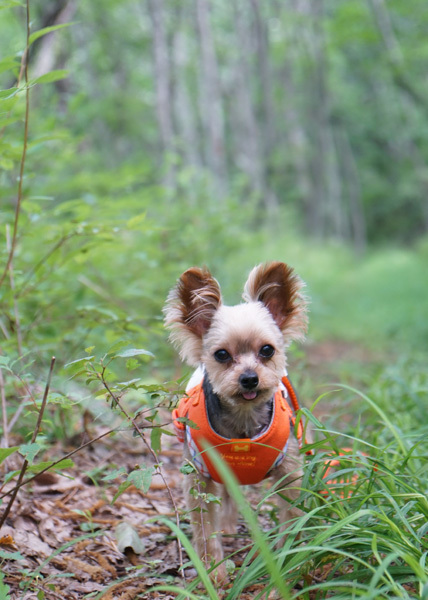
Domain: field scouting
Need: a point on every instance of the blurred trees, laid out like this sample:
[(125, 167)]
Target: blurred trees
[(165, 133), (318, 107)]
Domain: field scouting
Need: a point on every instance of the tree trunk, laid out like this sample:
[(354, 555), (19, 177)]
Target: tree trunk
[(184, 110), (162, 79), (265, 78), (296, 137), (210, 105), (48, 47), (249, 154), (324, 211), (351, 177)]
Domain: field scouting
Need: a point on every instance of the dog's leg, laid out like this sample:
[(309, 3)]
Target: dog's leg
[(289, 491), (229, 513), (205, 520)]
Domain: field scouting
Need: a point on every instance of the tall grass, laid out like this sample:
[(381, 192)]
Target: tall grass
[(364, 534), (378, 300)]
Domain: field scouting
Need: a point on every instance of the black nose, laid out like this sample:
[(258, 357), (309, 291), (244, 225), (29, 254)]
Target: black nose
[(249, 380)]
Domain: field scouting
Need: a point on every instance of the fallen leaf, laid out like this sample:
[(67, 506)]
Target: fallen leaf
[(127, 537), (7, 540)]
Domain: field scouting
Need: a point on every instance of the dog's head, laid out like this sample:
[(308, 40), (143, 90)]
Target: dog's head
[(242, 347)]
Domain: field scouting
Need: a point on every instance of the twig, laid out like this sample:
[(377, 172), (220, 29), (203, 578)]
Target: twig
[(132, 420), (15, 303), (20, 408), (17, 414), (4, 330), (24, 150), (4, 413), (42, 261), (33, 439), (57, 462), (45, 398), (18, 81)]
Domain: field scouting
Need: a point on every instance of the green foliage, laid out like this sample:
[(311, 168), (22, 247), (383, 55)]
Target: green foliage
[(141, 478), (95, 133), (98, 247), (377, 301), (367, 538), (4, 589), (381, 300), (5, 452), (101, 241)]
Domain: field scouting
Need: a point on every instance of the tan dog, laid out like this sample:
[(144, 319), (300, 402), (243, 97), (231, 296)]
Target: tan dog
[(240, 354)]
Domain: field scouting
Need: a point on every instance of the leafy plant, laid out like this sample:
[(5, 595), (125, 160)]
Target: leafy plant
[(4, 589), (96, 235)]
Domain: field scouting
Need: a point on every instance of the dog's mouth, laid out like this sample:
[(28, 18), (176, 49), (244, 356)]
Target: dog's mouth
[(249, 395)]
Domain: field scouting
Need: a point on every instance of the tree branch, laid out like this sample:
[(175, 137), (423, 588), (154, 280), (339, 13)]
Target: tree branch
[(4, 413), (24, 150), (33, 439)]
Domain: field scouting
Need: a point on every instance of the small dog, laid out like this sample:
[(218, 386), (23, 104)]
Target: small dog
[(236, 390)]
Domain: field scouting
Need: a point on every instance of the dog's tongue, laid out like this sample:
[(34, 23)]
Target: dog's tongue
[(249, 395)]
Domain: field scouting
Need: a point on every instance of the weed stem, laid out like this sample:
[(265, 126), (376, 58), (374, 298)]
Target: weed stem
[(33, 439), (24, 65)]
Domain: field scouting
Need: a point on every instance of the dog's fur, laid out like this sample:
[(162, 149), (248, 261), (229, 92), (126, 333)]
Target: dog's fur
[(240, 352)]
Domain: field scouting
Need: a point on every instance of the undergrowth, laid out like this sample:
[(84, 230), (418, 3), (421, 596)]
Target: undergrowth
[(376, 301), (91, 294), (363, 531)]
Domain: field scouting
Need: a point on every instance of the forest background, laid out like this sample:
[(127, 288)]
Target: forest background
[(143, 137)]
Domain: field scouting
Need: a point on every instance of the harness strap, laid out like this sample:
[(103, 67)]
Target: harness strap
[(296, 407)]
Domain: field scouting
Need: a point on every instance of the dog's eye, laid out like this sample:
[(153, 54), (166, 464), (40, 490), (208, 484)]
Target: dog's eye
[(222, 356), (267, 351)]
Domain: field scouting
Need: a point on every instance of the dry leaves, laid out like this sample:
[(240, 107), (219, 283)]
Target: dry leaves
[(60, 534), (61, 530)]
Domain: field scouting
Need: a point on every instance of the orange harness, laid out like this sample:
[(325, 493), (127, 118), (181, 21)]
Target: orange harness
[(251, 459)]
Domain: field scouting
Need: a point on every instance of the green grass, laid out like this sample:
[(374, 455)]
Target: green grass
[(378, 300), (369, 544), (364, 536)]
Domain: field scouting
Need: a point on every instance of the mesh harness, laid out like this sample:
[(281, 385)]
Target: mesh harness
[(251, 459)]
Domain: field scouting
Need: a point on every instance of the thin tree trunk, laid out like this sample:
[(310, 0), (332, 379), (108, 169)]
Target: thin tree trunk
[(326, 214), (321, 156), (296, 138), (386, 30), (250, 154), (306, 131), (394, 54), (337, 223), (211, 108), (264, 73), (353, 186), (183, 109), (48, 47), (162, 79)]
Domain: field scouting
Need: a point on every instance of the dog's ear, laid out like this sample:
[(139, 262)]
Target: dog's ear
[(277, 286), (189, 310)]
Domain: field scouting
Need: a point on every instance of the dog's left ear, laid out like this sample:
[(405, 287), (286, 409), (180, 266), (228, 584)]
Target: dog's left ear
[(189, 310), (277, 286)]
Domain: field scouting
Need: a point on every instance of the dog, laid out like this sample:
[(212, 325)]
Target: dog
[(236, 390)]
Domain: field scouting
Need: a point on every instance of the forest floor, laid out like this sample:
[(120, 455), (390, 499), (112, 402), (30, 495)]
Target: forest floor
[(63, 526), (56, 510)]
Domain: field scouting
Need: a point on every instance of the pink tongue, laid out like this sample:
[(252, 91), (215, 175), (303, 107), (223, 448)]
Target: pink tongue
[(249, 395)]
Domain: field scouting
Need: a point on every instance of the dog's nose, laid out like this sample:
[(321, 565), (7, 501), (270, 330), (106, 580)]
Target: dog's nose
[(249, 380)]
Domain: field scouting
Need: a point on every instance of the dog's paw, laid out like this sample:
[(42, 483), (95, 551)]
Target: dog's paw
[(219, 575)]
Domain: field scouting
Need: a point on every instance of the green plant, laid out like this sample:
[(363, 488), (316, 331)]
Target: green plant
[(4, 589)]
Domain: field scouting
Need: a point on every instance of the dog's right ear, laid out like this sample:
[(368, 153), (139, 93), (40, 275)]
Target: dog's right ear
[(189, 310), (275, 285)]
